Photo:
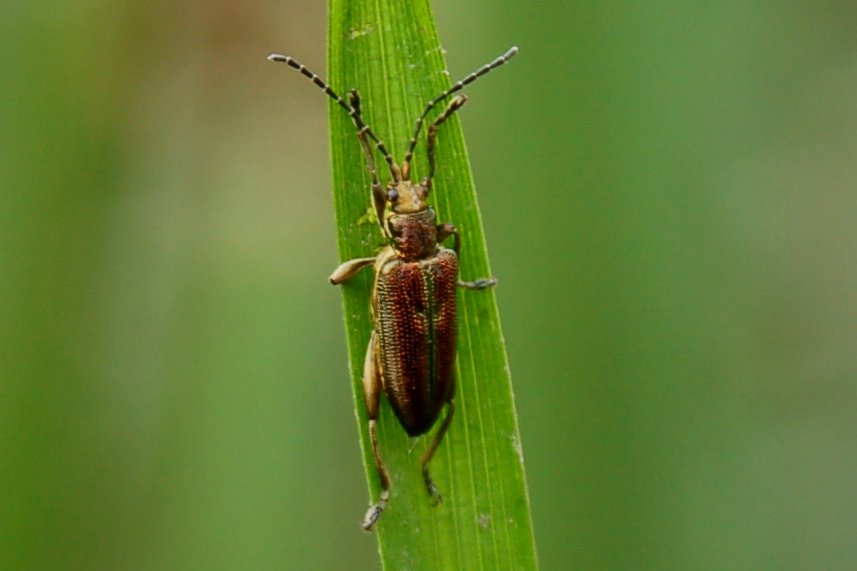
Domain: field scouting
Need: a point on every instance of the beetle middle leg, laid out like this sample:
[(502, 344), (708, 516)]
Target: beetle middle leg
[(448, 229)]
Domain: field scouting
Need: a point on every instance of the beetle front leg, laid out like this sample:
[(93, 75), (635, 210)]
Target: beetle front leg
[(430, 487), (371, 395), (379, 197), (454, 106)]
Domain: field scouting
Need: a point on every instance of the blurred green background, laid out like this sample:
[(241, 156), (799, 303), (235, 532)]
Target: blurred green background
[(669, 191)]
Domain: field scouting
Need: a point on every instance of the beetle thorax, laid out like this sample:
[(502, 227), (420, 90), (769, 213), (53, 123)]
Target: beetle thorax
[(414, 235)]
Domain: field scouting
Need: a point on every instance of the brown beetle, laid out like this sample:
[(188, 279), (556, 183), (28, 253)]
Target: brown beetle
[(411, 352)]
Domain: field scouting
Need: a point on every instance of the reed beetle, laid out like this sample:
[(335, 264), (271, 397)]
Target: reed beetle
[(411, 351)]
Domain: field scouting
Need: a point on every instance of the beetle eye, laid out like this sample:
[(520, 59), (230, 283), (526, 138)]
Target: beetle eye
[(392, 195)]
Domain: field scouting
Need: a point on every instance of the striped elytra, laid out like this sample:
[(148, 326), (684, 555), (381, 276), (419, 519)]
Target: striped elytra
[(414, 311)]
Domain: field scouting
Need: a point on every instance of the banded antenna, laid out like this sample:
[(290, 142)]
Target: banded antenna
[(459, 85), (353, 111)]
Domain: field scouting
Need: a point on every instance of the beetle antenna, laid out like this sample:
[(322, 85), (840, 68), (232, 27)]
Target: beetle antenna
[(353, 111), (457, 87)]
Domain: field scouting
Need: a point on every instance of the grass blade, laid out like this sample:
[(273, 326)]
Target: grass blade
[(391, 52)]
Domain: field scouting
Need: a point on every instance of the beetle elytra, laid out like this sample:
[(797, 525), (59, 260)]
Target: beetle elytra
[(411, 352)]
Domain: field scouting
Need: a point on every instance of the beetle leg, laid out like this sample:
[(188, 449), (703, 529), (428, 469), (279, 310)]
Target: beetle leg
[(478, 283), (448, 229), (371, 394), (379, 197), (346, 270), (430, 487), (454, 106)]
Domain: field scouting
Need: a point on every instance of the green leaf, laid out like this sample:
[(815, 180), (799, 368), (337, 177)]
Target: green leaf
[(390, 51)]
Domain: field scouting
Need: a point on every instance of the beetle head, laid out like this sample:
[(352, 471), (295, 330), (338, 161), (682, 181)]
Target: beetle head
[(406, 197)]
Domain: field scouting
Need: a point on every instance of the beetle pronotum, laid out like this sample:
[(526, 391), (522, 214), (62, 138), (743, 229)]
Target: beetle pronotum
[(411, 352)]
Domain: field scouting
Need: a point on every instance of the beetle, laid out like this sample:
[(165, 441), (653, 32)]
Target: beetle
[(411, 352)]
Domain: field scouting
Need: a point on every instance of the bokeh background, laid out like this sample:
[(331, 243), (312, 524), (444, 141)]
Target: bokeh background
[(669, 191)]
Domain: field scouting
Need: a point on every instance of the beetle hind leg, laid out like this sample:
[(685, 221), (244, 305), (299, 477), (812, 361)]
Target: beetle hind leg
[(373, 514), (431, 488), (371, 394)]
